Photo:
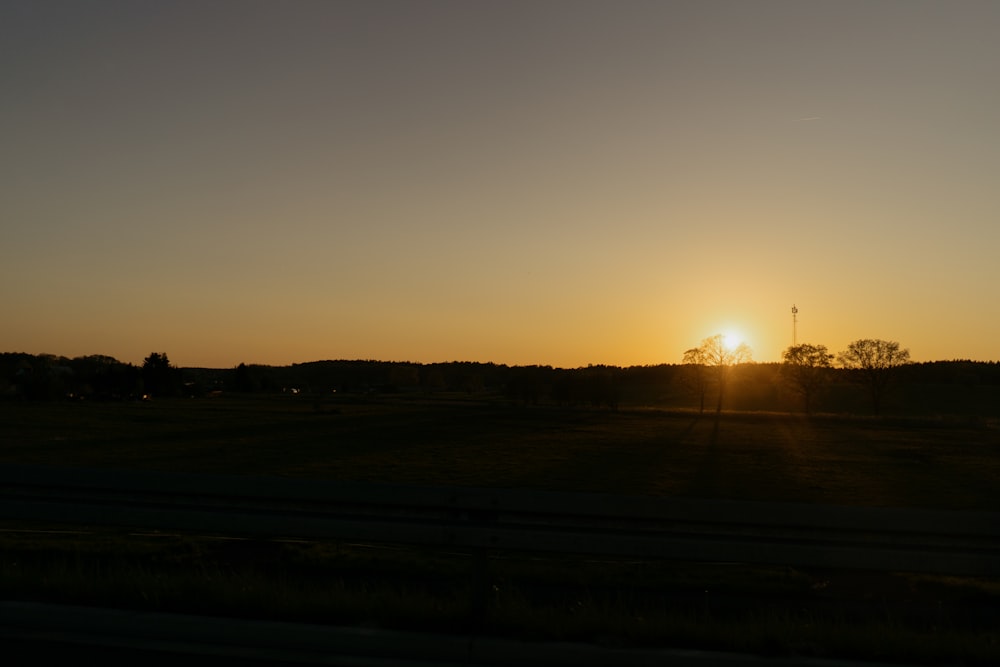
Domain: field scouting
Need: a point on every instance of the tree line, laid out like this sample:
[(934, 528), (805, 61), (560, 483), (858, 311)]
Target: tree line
[(871, 362), (96, 376), (870, 377)]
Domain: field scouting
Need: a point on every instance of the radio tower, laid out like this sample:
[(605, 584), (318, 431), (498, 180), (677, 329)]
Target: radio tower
[(795, 322)]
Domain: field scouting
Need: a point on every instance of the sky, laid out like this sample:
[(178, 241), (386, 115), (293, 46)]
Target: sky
[(561, 183)]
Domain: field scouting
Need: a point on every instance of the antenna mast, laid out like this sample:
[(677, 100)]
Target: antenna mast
[(795, 323)]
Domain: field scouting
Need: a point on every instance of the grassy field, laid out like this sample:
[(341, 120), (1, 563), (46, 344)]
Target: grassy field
[(483, 442), (490, 442)]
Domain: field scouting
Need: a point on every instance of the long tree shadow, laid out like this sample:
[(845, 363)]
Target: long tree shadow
[(707, 478)]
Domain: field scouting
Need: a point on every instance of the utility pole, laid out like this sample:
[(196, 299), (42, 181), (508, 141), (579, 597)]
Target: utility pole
[(795, 323)]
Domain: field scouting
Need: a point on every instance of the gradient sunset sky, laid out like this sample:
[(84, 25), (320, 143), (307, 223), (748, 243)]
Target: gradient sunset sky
[(536, 182)]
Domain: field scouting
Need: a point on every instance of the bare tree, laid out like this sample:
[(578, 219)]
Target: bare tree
[(718, 359), (874, 363), (696, 375), (806, 370)]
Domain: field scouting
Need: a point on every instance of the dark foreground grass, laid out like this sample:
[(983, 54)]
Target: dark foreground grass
[(934, 462), (769, 611)]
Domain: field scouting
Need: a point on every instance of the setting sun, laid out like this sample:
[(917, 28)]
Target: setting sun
[(732, 340)]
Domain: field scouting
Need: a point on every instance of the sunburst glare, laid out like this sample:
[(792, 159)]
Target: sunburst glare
[(732, 339)]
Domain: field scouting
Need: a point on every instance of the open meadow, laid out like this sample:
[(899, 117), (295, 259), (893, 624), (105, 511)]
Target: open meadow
[(491, 442), (414, 439)]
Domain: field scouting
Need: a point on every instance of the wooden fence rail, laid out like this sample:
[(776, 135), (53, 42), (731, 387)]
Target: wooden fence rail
[(681, 529)]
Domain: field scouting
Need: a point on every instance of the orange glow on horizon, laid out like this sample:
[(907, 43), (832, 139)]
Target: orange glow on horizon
[(463, 191)]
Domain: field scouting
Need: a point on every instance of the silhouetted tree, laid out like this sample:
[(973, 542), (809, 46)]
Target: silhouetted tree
[(104, 377), (874, 363), (696, 374), (718, 358), (806, 369), (158, 376), (244, 380)]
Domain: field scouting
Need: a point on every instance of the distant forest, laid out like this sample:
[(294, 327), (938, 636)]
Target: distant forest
[(961, 388)]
